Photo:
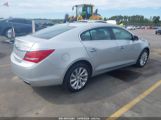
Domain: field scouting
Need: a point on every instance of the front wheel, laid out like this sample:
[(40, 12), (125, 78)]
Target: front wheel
[(143, 59), (77, 77), (9, 33)]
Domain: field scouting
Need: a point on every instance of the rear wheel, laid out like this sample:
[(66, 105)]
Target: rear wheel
[(77, 77), (143, 59)]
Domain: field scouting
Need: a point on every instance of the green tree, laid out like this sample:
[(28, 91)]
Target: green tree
[(137, 20), (156, 20)]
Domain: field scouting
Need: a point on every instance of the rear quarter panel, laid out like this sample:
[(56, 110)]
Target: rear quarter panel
[(68, 50)]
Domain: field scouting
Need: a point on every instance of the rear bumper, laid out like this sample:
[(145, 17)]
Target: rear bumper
[(41, 74)]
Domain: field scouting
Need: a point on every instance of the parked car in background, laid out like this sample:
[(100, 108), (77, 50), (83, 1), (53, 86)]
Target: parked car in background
[(69, 54), (21, 27), (142, 27), (138, 27), (130, 27), (158, 31), (155, 27)]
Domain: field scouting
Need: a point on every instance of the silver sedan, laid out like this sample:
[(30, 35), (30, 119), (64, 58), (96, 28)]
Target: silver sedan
[(69, 54)]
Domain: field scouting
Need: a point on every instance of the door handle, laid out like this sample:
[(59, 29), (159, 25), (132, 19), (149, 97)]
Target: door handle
[(93, 50)]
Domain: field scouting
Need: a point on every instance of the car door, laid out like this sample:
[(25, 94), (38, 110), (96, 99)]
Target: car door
[(101, 47), (129, 49), (21, 27), (27, 25)]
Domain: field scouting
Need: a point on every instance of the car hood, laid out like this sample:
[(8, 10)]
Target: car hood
[(2, 20), (2, 23)]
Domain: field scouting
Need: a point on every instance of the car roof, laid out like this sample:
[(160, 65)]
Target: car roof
[(91, 21), (18, 19), (89, 25)]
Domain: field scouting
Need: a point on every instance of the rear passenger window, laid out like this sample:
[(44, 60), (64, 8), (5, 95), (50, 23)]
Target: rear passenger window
[(121, 34), (97, 34), (100, 34), (86, 36)]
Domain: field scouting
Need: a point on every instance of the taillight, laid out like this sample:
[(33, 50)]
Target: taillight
[(37, 56)]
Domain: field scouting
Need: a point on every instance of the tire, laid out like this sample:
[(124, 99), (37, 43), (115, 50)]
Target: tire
[(73, 80), (143, 58), (8, 33)]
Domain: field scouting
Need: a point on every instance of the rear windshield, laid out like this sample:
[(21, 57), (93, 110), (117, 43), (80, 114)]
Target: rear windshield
[(53, 31)]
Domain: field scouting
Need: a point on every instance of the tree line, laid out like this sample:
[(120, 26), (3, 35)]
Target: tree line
[(137, 20)]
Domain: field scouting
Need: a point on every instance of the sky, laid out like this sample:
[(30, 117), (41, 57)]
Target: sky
[(54, 9)]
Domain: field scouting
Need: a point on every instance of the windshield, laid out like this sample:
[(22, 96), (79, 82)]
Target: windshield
[(53, 31)]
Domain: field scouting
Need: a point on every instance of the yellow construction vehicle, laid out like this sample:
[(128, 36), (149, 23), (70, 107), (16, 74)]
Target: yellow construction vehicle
[(84, 12)]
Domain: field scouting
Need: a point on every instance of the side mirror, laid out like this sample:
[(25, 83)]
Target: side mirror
[(135, 37)]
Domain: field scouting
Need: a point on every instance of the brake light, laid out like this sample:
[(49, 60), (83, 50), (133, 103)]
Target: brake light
[(37, 56)]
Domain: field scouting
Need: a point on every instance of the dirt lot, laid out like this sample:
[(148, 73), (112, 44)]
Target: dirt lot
[(113, 93)]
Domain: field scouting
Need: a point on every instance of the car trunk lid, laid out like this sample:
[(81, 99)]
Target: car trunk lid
[(22, 45)]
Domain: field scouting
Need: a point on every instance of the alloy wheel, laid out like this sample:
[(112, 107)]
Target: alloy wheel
[(79, 78), (143, 58)]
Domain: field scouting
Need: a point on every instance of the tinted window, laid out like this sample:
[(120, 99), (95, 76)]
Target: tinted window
[(23, 21), (86, 36), (121, 34), (17, 20), (53, 31), (11, 20), (100, 34), (28, 22)]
